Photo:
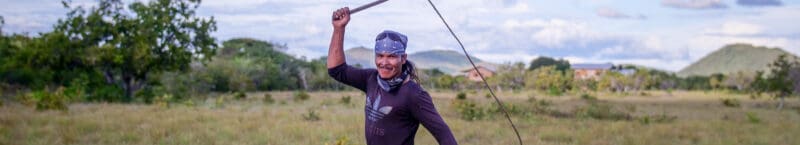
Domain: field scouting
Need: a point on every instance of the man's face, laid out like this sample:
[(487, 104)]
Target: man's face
[(389, 65)]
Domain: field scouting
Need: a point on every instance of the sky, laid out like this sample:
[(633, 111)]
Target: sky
[(662, 34)]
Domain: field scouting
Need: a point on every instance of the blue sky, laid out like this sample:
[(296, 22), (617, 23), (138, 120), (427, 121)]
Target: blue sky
[(664, 34)]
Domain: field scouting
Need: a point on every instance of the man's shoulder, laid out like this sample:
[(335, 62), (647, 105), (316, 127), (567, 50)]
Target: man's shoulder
[(413, 89)]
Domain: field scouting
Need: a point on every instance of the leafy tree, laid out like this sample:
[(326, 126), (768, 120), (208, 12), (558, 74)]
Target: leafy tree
[(716, 80), (561, 64), (548, 78), (130, 45), (782, 78), (740, 81), (509, 76)]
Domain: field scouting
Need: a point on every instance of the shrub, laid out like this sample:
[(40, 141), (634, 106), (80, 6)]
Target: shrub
[(601, 112), (45, 100), (461, 96), (469, 110), (730, 102), (220, 102), (345, 100), (662, 118), (239, 95), (588, 97), (553, 91), (752, 117), (268, 99), (488, 95), (311, 115), (300, 96), (163, 100)]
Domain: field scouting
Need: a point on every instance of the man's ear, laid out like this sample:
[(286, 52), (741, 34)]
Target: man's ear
[(404, 58)]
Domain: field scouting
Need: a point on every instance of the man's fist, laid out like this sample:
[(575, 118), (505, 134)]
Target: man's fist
[(341, 17)]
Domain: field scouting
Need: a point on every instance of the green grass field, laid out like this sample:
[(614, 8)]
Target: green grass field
[(651, 118)]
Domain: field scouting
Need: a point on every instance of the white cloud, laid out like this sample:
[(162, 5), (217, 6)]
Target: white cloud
[(736, 28), (695, 4)]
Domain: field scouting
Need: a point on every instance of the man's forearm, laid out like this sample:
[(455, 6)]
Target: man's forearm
[(336, 50)]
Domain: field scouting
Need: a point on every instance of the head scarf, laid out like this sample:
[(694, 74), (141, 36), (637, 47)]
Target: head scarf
[(393, 43)]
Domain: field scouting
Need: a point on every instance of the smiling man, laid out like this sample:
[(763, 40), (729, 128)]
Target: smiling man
[(396, 104)]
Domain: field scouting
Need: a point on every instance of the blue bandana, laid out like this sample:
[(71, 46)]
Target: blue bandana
[(393, 43), (390, 42)]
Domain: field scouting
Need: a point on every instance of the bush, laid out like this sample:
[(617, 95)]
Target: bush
[(588, 97), (108, 93), (488, 95), (45, 100), (239, 95), (601, 112), (553, 91), (345, 100), (662, 118), (730, 102), (461, 96), (220, 102), (752, 117), (469, 110), (164, 100), (311, 115), (300, 96), (268, 99)]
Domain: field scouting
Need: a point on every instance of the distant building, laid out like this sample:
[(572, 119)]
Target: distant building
[(471, 74), (594, 71), (590, 71)]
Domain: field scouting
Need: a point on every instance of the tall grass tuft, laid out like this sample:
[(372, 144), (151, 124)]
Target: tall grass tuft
[(268, 99), (301, 96), (730, 102)]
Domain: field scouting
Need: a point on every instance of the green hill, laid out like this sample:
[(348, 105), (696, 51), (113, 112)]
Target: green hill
[(734, 58), (445, 60)]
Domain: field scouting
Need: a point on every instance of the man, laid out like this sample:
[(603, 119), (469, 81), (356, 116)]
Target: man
[(396, 104)]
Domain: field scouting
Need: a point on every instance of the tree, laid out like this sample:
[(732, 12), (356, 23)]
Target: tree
[(509, 76), (740, 81), (128, 45), (561, 64), (548, 78), (782, 78), (716, 80)]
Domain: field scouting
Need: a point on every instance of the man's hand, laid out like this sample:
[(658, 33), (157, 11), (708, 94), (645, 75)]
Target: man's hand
[(341, 17)]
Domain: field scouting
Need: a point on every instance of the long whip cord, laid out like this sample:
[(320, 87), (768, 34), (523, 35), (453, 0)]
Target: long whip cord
[(502, 108)]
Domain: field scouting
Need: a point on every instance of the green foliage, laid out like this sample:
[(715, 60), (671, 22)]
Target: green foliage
[(661, 118), (731, 102), (461, 96), (268, 99), (560, 64), (469, 110), (550, 79), (164, 100), (46, 100), (752, 117), (311, 115), (301, 96), (784, 75), (601, 111), (588, 97), (345, 100), (240, 96), (128, 45)]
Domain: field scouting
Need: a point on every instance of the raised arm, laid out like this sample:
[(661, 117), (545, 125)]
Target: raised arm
[(340, 19)]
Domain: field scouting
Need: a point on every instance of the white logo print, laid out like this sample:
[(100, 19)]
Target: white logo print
[(374, 111)]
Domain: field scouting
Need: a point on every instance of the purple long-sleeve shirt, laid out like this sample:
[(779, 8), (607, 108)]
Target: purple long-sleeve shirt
[(392, 118)]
